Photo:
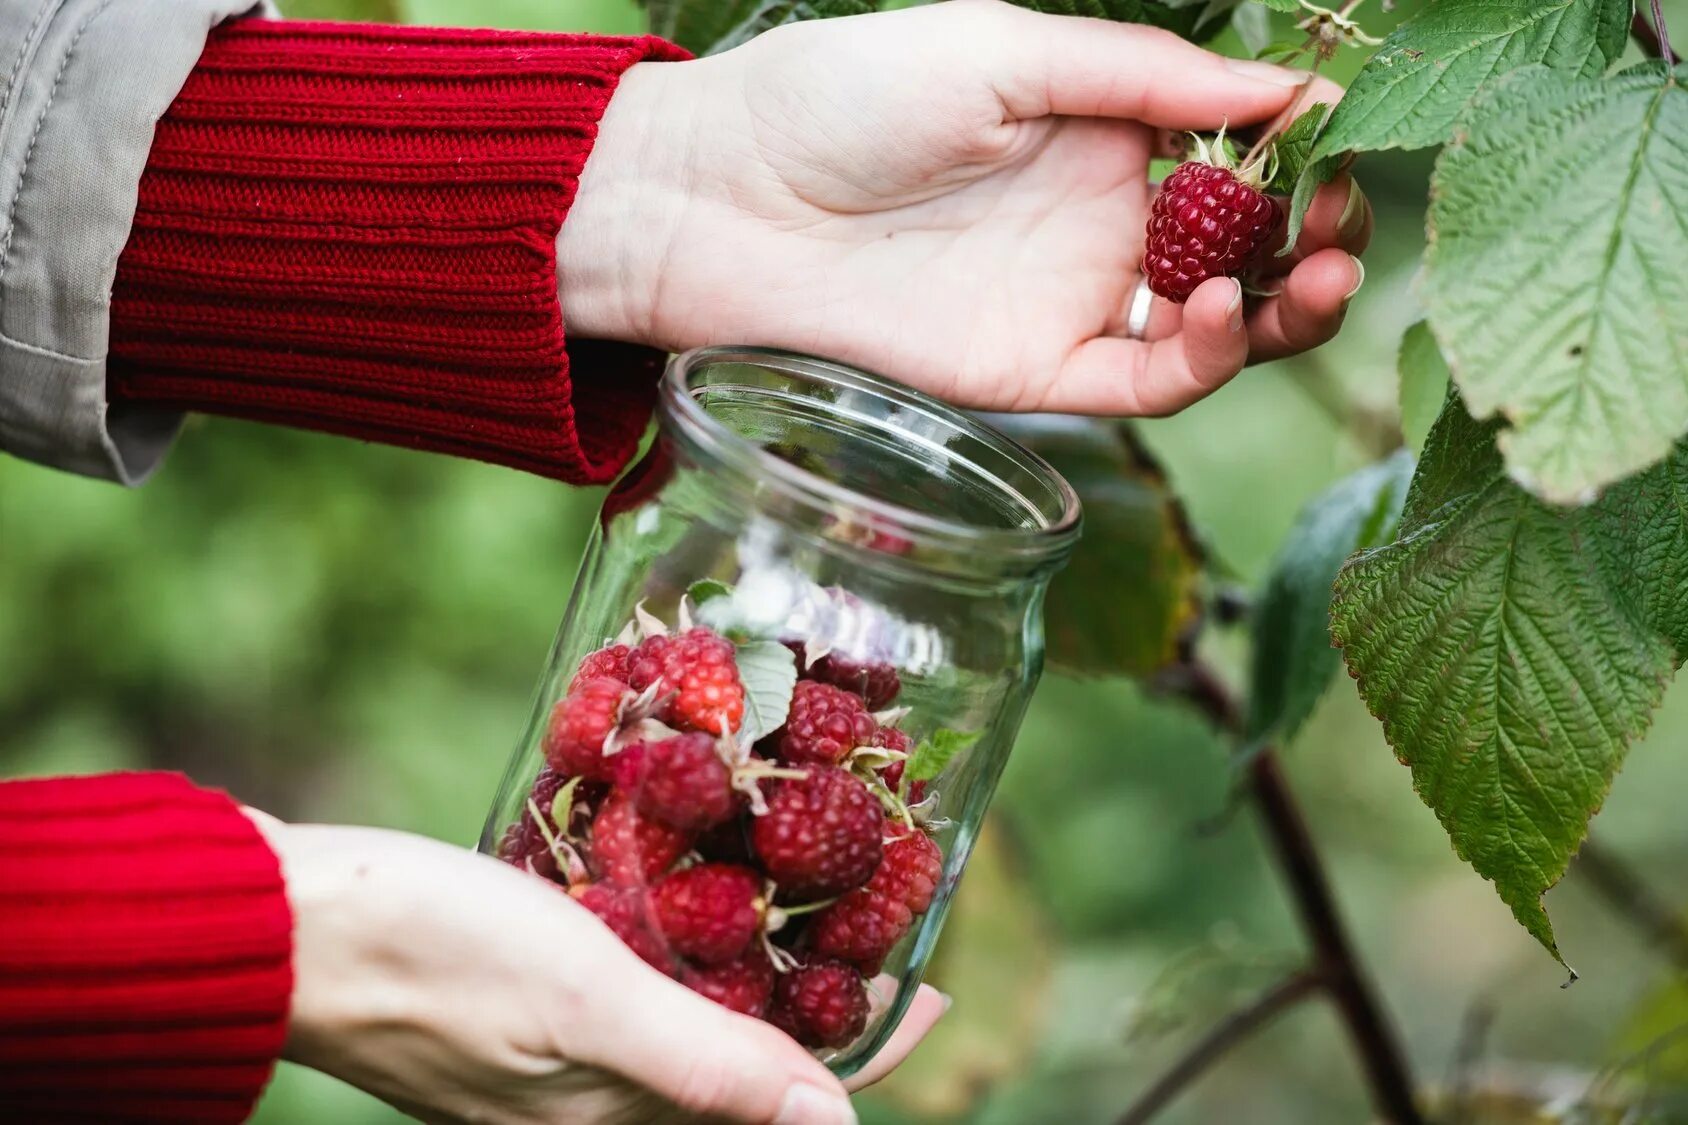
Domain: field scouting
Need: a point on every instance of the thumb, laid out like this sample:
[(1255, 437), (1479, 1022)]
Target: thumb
[(711, 1062), (1049, 64)]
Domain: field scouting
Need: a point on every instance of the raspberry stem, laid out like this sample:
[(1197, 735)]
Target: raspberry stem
[(1662, 33)]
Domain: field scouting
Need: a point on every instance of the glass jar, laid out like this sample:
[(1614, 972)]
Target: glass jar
[(844, 582)]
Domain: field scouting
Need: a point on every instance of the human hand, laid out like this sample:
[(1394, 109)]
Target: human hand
[(460, 989), (953, 195)]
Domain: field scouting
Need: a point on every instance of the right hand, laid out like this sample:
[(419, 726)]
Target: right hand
[(460, 989)]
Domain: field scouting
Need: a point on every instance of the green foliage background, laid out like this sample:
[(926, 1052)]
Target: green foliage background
[(349, 633)]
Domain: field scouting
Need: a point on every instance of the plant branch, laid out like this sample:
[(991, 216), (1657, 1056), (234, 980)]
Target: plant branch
[(1334, 959), (1622, 886), (1235, 1027), (1653, 37)]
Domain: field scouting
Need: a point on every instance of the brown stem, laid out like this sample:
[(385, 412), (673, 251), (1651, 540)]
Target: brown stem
[(1334, 959), (1622, 886), (1224, 1035), (1653, 42)]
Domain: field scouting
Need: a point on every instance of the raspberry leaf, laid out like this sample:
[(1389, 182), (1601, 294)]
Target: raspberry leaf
[(1513, 650), (1295, 147), (708, 27), (707, 589), (1132, 587), (1424, 383), (768, 671), (1554, 278), (1293, 660), (928, 759), (1420, 82)]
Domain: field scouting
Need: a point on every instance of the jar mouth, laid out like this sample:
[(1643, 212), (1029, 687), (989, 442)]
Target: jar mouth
[(834, 439)]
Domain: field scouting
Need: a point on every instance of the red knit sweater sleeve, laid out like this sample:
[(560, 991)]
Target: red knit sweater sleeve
[(353, 228), (145, 946)]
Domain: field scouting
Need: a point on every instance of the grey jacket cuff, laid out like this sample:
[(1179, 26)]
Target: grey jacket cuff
[(85, 82)]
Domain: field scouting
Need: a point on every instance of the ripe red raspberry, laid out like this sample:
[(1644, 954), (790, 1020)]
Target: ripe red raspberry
[(630, 848), (824, 724), (697, 674), (891, 776), (744, 985), (821, 1004), (912, 869), (611, 661), (862, 926), (1205, 222), (709, 913), (821, 835), (523, 844), (682, 781), (574, 742), (625, 911), (874, 680)]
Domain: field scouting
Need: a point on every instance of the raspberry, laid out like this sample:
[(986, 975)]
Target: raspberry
[(523, 844), (862, 926), (744, 985), (821, 1004), (891, 776), (874, 680), (611, 661), (630, 848), (574, 742), (709, 913), (681, 781), (820, 835), (1205, 222), (625, 911), (698, 672), (824, 724)]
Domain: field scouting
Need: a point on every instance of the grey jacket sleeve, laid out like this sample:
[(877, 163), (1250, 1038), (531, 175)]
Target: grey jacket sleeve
[(85, 81)]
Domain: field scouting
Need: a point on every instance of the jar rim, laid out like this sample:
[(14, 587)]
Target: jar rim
[(1048, 536)]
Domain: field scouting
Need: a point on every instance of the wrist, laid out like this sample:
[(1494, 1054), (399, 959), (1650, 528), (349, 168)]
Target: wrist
[(627, 208)]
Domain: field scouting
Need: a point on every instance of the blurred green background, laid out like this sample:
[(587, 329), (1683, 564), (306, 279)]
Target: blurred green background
[(343, 632)]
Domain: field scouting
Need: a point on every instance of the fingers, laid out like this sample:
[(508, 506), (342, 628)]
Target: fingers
[(924, 1011), (707, 1060), (1135, 377), (1339, 216), (1309, 308), (1096, 68)]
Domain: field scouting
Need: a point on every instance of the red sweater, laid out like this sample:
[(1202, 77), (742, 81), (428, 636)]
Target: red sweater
[(348, 228)]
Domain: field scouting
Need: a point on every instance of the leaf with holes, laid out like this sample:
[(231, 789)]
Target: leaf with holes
[(1417, 86), (1293, 660), (1554, 280), (1513, 650)]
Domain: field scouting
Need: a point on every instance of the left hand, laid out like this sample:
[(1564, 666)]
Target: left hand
[(952, 195)]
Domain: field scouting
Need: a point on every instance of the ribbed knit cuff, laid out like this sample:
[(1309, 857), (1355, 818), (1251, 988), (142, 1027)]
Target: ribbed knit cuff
[(145, 952), (354, 228)]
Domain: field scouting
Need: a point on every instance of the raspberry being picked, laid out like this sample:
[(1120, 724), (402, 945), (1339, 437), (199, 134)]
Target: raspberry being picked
[(695, 674), (821, 1004), (709, 913), (824, 724), (821, 835), (1210, 218)]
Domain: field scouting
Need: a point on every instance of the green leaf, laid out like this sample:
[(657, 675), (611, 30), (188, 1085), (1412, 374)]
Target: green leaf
[(1424, 383), (1131, 590), (1513, 650), (1554, 279), (928, 759), (769, 14), (697, 25), (768, 671), (1293, 660), (1295, 147), (1424, 76), (1253, 25), (1183, 20), (707, 589)]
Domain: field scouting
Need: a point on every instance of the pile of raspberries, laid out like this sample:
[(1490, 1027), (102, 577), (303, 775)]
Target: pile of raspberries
[(773, 879)]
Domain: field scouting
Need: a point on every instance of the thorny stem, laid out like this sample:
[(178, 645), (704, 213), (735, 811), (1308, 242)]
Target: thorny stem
[(1220, 1039), (1335, 962), (1654, 37)]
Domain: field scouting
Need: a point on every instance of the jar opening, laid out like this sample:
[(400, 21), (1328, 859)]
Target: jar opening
[(851, 446)]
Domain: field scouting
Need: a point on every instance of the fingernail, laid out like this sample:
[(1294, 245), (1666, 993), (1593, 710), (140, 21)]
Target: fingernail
[(1265, 72), (1359, 278), (1354, 213), (1234, 310), (810, 1105), (949, 1001)]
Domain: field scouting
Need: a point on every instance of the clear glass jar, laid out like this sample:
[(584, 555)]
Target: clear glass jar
[(866, 563)]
